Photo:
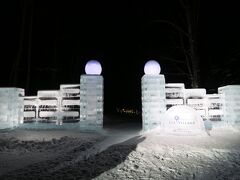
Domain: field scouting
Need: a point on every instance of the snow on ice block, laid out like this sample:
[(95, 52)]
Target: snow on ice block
[(47, 114), (67, 102), (70, 90), (195, 93), (183, 120), (70, 113), (30, 101), (174, 101), (48, 94), (215, 112), (52, 102), (11, 107), (29, 114)]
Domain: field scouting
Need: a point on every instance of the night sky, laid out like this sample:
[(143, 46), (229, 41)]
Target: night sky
[(54, 39)]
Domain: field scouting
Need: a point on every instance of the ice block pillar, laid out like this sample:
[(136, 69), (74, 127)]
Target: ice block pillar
[(230, 96), (11, 107), (91, 96), (153, 96)]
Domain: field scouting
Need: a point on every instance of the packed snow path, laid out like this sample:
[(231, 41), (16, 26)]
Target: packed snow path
[(111, 138), (149, 156)]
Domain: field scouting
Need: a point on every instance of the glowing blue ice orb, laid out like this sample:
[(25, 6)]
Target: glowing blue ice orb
[(93, 67), (152, 67)]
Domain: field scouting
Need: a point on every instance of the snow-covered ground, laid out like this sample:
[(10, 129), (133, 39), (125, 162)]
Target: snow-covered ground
[(123, 153)]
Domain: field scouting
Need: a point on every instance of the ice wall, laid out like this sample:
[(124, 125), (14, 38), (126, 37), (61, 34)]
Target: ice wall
[(196, 98), (91, 101), (231, 104), (11, 107), (30, 109), (70, 102), (153, 100), (174, 94), (214, 105), (49, 107)]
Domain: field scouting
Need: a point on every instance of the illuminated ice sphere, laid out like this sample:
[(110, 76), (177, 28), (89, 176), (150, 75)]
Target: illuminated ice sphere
[(183, 120), (93, 67), (152, 67)]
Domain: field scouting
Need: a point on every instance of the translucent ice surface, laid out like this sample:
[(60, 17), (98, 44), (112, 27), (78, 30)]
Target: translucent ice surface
[(174, 94), (214, 104), (196, 98), (49, 106), (11, 107), (91, 100), (30, 108), (70, 102), (231, 104), (153, 100)]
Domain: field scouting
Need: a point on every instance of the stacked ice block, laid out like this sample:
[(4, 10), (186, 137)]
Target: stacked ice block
[(11, 107), (30, 108), (153, 100), (70, 102), (231, 104), (49, 103), (196, 98), (91, 100), (214, 104), (174, 94)]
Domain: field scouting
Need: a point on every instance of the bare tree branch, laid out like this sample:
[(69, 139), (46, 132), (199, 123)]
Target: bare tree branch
[(178, 28), (171, 59)]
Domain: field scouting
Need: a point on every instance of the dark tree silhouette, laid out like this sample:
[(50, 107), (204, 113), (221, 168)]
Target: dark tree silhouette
[(186, 26), (30, 46), (16, 63), (26, 31)]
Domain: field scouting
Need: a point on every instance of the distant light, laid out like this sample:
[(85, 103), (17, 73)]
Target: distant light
[(152, 67), (93, 67)]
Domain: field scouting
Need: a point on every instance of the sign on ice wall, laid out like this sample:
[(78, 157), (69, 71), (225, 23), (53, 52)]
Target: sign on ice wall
[(183, 120), (11, 107)]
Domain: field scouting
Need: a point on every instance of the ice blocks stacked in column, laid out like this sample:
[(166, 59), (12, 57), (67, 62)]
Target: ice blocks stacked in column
[(70, 102), (11, 107), (30, 109), (231, 104), (153, 100), (196, 98), (91, 100), (49, 103), (174, 94), (214, 104)]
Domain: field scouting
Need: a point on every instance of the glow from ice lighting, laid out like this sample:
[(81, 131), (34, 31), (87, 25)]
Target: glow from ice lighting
[(152, 67), (93, 67)]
